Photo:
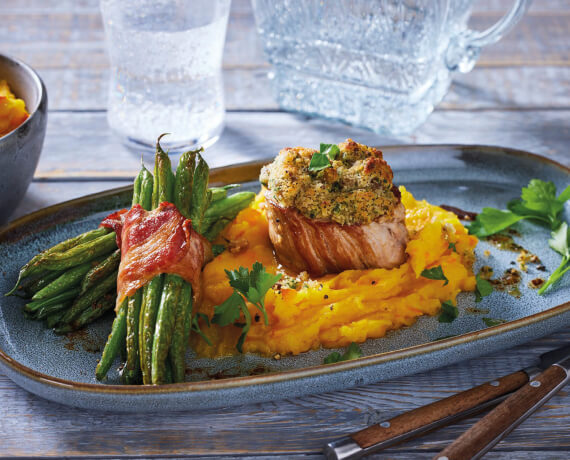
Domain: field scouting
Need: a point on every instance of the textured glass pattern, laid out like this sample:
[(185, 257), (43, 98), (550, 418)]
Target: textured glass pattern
[(378, 64)]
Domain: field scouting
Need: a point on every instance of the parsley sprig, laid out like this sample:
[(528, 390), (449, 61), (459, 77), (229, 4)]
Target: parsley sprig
[(538, 202), (322, 159), (560, 242), (248, 285)]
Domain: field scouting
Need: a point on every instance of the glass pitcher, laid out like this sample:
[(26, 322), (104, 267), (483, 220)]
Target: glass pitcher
[(380, 64)]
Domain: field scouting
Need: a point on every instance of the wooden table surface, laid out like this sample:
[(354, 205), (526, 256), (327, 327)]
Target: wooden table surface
[(517, 96)]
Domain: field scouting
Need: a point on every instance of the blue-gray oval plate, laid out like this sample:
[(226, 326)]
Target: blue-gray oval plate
[(468, 177)]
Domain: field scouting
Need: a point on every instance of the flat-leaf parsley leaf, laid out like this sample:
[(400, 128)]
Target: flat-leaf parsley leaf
[(435, 273), (322, 159), (538, 202), (482, 288), (331, 150), (448, 312)]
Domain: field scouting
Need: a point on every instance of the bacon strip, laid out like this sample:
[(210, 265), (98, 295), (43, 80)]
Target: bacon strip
[(155, 242)]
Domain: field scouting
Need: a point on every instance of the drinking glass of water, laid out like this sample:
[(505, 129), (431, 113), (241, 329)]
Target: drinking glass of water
[(165, 74)]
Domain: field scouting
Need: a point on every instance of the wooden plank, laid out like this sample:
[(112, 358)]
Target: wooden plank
[(80, 144), (288, 428), (61, 39), (43, 194), (479, 6), (250, 89)]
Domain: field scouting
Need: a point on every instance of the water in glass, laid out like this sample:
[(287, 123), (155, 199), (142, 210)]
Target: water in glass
[(166, 70)]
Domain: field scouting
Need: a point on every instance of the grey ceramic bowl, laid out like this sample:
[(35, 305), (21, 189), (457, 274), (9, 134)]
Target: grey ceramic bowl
[(20, 149)]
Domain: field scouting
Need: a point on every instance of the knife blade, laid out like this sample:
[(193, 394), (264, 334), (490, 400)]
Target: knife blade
[(487, 432), (437, 414)]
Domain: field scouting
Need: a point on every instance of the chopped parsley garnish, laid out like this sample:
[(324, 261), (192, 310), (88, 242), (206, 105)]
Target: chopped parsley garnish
[(248, 285), (538, 202), (448, 312), (322, 159), (452, 247), (490, 322), (560, 242), (352, 352), (482, 288), (435, 273), (331, 150)]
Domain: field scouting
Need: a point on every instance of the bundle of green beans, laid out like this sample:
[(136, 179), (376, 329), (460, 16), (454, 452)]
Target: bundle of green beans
[(154, 324), (74, 282)]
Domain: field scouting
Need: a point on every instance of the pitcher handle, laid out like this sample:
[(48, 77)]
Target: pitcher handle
[(464, 49)]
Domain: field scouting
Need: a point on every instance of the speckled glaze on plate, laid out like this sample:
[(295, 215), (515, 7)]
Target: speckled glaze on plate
[(470, 177)]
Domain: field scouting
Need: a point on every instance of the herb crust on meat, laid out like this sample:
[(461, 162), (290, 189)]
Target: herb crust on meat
[(356, 189)]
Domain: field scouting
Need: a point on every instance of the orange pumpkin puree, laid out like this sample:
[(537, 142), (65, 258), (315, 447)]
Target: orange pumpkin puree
[(335, 310), (12, 110)]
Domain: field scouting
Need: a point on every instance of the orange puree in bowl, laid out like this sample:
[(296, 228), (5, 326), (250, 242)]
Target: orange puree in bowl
[(351, 306), (12, 110)]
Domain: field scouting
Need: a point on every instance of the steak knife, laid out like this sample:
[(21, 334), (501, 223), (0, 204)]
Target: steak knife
[(481, 437), (439, 413)]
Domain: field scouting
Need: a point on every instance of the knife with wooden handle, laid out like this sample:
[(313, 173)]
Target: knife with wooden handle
[(437, 414), (488, 431)]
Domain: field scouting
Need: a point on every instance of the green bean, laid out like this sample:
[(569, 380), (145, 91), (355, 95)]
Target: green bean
[(125, 325), (95, 311), (164, 328), (101, 271), (44, 312), (114, 342), (163, 176), (132, 371), (180, 336), (167, 372), (54, 318), (81, 253), (123, 349), (221, 212), (89, 297), (147, 185), (137, 188), (149, 309), (38, 283), (34, 306), (34, 266), (201, 196), (68, 279), (183, 182), (216, 228), (228, 207), (219, 193)]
